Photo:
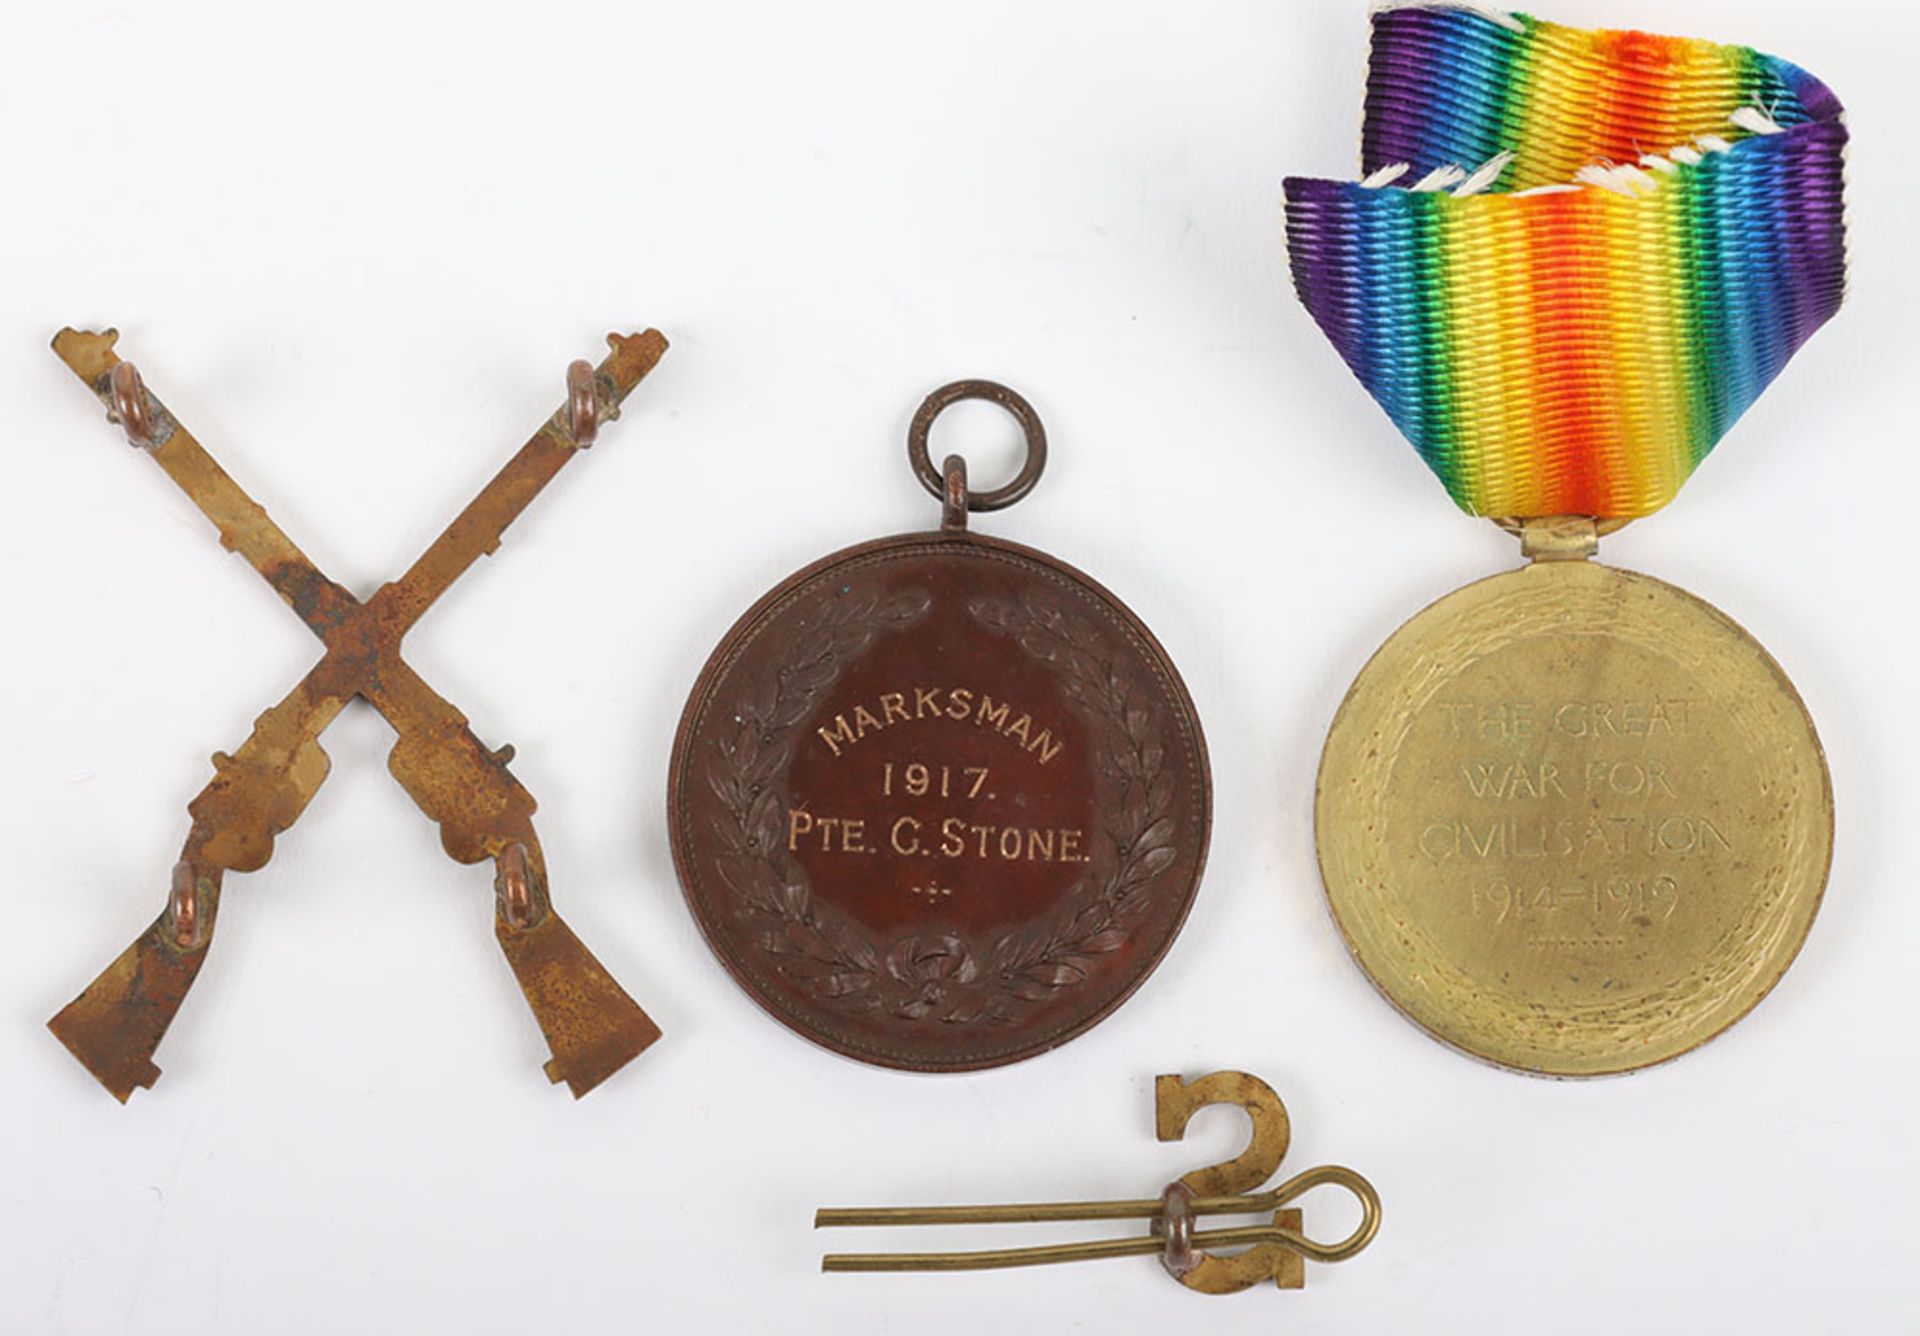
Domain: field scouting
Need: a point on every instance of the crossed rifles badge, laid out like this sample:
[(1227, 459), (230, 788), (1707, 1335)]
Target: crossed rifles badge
[(590, 1023)]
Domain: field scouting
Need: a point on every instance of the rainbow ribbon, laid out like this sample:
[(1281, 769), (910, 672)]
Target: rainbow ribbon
[(1577, 257)]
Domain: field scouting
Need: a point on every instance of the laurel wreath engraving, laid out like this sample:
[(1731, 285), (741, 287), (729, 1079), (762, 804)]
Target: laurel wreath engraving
[(942, 976)]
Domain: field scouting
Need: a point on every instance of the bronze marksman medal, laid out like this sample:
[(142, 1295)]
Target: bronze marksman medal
[(940, 801), (1571, 819)]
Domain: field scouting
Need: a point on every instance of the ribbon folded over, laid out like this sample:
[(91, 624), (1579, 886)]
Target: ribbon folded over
[(1576, 257)]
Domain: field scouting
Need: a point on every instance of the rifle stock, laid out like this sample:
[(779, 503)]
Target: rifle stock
[(115, 1025), (590, 1022), (593, 1027)]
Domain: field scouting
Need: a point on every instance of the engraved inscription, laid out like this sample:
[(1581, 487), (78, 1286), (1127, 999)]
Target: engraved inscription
[(1574, 813), (967, 704), (937, 832), (935, 829), (997, 847), (1503, 720)]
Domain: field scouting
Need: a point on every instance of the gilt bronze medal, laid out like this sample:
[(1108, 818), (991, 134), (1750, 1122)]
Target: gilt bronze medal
[(1571, 819), (939, 801)]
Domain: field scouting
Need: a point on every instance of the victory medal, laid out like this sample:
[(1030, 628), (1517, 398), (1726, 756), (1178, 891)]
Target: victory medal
[(1571, 819)]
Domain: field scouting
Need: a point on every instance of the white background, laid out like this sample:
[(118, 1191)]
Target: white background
[(353, 246)]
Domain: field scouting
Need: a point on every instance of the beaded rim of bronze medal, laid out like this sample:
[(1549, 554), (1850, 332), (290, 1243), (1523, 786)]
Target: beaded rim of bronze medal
[(1683, 999)]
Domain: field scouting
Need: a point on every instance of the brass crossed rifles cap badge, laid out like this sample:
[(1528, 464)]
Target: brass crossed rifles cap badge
[(258, 791)]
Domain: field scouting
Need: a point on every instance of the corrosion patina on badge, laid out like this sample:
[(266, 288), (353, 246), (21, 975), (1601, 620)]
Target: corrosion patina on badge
[(940, 801), (1571, 819)]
